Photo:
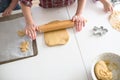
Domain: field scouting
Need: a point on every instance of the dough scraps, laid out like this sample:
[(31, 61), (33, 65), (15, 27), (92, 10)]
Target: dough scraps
[(114, 20), (21, 33), (58, 37), (102, 72), (24, 46)]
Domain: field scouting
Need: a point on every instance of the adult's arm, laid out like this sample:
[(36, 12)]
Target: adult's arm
[(78, 18), (80, 6)]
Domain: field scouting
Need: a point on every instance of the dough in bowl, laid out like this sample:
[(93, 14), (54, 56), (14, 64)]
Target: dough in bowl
[(102, 72), (114, 20), (55, 38)]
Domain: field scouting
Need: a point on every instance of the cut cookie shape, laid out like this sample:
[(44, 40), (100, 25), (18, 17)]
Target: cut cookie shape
[(54, 38), (24, 46), (21, 33)]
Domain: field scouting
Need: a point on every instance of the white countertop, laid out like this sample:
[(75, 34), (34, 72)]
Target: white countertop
[(67, 62), (89, 45)]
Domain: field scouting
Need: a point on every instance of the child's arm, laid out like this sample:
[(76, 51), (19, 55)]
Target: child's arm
[(78, 18), (80, 6), (30, 28), (8, 10)]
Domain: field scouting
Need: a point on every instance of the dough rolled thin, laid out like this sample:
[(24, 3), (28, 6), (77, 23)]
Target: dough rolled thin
[(55, 38)]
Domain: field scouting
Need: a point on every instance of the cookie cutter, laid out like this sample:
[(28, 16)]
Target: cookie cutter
[(99, 31), (115, 2)]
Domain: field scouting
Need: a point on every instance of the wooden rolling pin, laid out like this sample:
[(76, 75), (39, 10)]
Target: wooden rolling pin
[(56, 25)]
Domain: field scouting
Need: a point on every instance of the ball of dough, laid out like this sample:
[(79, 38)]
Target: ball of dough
[(102, 72)]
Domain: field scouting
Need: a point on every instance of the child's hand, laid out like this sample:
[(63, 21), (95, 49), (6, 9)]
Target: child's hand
[(30, 30), (7, 12), (107, 6), (79, 22)]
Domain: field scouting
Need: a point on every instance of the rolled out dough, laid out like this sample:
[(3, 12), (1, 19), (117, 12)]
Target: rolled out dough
[(58, 37), (114, 20)]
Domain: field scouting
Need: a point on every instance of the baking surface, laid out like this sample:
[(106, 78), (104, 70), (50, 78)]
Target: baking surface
[(10, 41)]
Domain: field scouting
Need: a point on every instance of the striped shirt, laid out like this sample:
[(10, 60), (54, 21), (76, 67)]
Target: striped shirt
[(49, 3)]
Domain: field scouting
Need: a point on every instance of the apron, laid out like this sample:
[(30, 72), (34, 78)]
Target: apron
[(5, 3)]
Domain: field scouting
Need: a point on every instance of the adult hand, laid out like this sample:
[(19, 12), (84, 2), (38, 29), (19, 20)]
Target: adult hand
[(79, 22), (30, 30)]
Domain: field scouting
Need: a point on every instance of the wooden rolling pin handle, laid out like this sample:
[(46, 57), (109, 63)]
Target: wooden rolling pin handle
[(56, 25)]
